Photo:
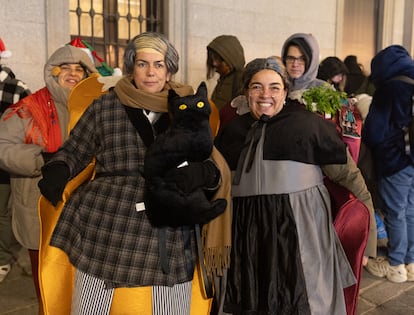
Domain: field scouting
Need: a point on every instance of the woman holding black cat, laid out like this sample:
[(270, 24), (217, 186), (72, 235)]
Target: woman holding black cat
[(285, 256), (103, 228)]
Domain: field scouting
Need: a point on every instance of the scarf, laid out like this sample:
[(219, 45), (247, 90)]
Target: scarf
[(130, 96), (44, 127), (216, 235)]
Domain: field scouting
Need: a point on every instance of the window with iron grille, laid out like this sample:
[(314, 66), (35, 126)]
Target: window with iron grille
[(108, 25)]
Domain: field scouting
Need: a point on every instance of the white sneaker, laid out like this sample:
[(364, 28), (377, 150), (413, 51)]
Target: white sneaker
[(378, 266), (397, 273), (4, 270), (410, 272)]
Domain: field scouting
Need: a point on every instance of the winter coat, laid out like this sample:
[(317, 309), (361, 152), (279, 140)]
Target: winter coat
[(24, 160), (105, 215), (390, 111), (229, 86)]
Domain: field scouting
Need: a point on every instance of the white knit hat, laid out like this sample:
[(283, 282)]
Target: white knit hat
[(363, 104), (3, 52)]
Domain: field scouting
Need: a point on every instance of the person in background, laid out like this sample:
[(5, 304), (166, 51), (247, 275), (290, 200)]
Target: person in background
[(300, 55), (30, 132), (225, 55), (366, 162), (103, 229), (286, 257), (11, 91), (336, 72), (388, 132), (333, 70), (360, 90), (357, 81)]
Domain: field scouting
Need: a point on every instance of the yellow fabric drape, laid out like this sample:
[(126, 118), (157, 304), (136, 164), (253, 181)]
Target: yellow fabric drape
[(214, 118), (56, 273)]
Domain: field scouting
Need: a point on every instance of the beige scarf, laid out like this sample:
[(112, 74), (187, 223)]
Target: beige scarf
[(155, 102), (217, 233)]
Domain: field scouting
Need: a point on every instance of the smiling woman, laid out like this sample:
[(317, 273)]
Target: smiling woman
[(70, 74), (266, 89), (30, 132), (267, 94), (282, 232)]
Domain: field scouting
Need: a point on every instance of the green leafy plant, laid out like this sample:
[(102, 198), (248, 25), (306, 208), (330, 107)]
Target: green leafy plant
[(326, 99)]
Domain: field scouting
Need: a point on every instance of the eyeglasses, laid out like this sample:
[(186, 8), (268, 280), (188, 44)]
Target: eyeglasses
[(258, 89), (291, 59)]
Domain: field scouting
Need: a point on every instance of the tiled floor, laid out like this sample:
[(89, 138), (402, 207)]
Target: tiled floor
[(17, 294), (377, 295)]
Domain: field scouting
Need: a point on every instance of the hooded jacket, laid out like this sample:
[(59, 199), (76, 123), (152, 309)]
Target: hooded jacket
[(24, 160), (390, 110), (228, 86), (356, 80), (310, 48)]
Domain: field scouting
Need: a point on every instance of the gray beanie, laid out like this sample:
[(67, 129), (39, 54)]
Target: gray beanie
[(259, 64)]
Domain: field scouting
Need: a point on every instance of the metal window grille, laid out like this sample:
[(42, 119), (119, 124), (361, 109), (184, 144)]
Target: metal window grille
[(108, 25)]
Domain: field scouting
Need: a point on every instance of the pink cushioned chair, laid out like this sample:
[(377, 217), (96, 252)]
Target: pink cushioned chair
[(351, 220)]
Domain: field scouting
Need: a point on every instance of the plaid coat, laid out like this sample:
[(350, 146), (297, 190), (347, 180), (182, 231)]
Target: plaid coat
[(11, 91), (100, 228)]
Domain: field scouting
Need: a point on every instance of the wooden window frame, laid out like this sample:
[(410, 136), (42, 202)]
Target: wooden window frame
[(110, 46)]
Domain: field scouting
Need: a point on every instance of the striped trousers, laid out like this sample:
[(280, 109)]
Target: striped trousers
[(90, 297)]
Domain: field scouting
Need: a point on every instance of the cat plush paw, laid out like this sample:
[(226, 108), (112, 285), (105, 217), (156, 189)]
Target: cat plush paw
[(167, 206)]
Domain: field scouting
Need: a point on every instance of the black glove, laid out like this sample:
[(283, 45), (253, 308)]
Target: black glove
[(195, 175), (47, 156), (55, 177)]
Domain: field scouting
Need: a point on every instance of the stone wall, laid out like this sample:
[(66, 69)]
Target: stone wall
[(33, 29), (261, 26)]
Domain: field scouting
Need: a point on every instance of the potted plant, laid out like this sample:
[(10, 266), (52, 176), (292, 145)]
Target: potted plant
[(324, 99)]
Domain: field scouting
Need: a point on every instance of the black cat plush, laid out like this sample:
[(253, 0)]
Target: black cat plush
[(187, 141)]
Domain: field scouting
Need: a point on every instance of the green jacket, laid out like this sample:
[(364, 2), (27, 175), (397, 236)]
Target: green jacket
[(228, 86)]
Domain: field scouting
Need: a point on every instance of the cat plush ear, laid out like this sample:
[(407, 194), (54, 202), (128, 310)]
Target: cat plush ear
[(202, 89), (172, 94)]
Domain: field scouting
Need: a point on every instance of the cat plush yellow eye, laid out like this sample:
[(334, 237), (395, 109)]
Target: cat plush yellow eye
[(182, 107), (200, 104)]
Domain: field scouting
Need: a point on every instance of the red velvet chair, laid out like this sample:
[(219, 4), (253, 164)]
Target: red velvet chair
[(351, 221)]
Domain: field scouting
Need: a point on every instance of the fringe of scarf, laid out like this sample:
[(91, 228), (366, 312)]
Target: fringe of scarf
[(216, 235), (44, 127)]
